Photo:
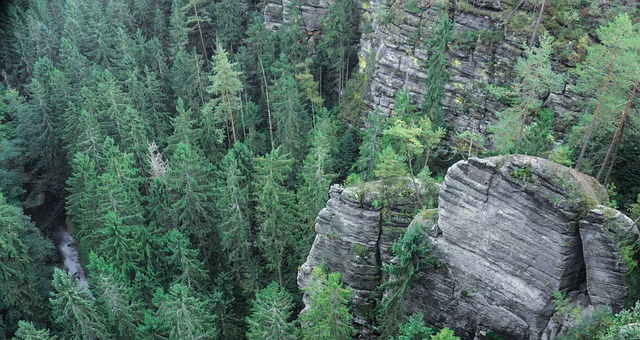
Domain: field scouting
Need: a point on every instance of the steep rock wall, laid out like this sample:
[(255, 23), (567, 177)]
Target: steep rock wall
[(484, 52), (510, 231), (354, 234)]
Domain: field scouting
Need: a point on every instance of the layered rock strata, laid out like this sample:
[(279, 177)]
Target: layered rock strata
[(354, 234), (510, 231)]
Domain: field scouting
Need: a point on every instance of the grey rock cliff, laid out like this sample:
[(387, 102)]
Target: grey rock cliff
[(354, 235), (510, 230), (484, 52)]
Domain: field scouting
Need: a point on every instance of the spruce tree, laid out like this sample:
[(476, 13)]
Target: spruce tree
[(74, 309), (437, 74), (270, 315), (371, 146), (228, 27), (191, 193), (180, 315), (234, 222), (327, 315), (27, 331), (278, 231), (181, 263), (316, 177)]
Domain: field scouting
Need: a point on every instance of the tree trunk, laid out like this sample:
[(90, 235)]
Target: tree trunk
[(413, 178), (204, 50), (524, 120), (618, 135), (595, 115), (535, 29), (266, 92)]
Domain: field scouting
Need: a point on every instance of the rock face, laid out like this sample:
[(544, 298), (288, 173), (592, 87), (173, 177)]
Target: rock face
[(510, 231), (354, 233), (312, 12), (484, 51)]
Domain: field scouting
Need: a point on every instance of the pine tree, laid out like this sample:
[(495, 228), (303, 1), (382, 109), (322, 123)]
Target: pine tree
[(607, 74), (277, 232), (74, 309), (178, 29), (270, 315), (198, 17), (327, 315)]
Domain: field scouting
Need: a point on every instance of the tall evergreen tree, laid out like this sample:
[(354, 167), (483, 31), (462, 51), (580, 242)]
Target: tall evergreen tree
[(233, 210), (278, 230), (327, 315), (437, 74), (182, 315), (74, 309), (191, 193), (228, 27), (226, 86), (534, 77), (271, 314)]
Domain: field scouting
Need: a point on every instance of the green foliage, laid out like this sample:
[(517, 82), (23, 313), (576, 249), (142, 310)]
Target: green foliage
[(24, 270), (371, 145), (533, 78), (271, 314), (445, 334), (412, 257), (390, 167), (327, 315), (180, 315), (437, 74), (275, 215), (27, 331), (74, 309), (415, 329)]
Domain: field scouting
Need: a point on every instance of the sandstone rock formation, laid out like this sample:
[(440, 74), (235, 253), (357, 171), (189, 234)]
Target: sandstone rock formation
[(354, 233), (484, 52), (510, 230)]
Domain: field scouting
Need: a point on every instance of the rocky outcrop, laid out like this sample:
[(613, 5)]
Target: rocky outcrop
[(312, 12), (354, 234), (485, 48), (510, 232)]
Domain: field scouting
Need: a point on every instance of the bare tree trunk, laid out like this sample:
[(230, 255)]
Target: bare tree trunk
[(233, 126), (266, 91), (613, 162), (524, 120), (204, 50), (618, 135), (595, 115), (413, 178), (535, 29)]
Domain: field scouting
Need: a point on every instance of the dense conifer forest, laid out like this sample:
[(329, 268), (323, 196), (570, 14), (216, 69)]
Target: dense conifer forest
[(192, 146)]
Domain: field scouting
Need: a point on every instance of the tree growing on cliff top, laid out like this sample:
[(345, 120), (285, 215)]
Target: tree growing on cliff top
[(534, 78)]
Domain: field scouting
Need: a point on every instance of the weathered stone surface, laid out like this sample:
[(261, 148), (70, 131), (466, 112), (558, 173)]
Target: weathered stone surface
[(397, 48), (354, 235), (510, 230), (606, 231)]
